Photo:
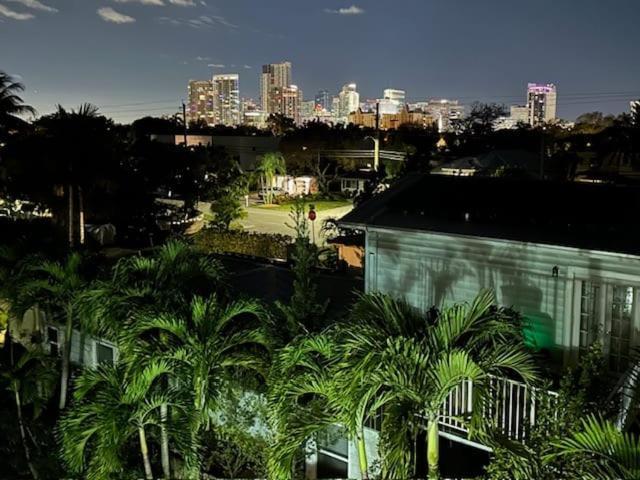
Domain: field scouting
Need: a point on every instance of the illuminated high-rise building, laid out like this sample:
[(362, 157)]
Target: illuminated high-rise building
[(444, 112), (201, 102), (323, 99), (542, 103), (396, 96), (349, 100), (285, 101), (226, 99), (274, 76)]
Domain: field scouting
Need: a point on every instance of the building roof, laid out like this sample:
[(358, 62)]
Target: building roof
[(587, 216), (495, 160)]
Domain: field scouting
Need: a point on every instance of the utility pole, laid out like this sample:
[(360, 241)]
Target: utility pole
[(542, 153), (184, 121)]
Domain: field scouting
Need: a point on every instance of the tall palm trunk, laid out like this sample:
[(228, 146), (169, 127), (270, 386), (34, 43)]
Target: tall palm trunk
[(70, 213), (362, 455), (144, 449), (23, 435), (164, 441), (81, 212), (66, 359), (433, 449)]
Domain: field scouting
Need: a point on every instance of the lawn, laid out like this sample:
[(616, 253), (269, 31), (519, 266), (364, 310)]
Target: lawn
[(321, 205)]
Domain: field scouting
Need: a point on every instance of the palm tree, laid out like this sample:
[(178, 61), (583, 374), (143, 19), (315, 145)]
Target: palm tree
[(308, 395), (113, 405), (11, 104), (270, 165), (601, 451), (31, 380), (164, 282), (205, 344), (412, 362), (56, 286)]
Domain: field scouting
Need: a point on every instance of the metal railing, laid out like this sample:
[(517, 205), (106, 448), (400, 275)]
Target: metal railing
[(510, 406)]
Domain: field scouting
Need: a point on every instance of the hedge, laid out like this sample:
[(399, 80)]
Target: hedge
[(264, 245)]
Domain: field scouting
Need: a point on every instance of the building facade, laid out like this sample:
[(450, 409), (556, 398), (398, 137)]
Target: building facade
[(226, 89), (323, 99), (349, 100), (542, 103), (274, 76), (201, 102), (393, 100), (444, 112)]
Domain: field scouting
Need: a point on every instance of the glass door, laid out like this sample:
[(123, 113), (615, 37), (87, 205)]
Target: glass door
[(607, 314), (620, 327)]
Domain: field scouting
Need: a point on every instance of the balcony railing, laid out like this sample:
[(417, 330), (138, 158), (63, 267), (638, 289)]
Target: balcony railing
[(511, 406)]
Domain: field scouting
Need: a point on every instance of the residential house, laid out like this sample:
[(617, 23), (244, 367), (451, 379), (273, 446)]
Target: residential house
[(566, 255)]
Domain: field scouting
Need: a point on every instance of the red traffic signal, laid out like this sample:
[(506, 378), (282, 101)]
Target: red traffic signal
[(312, 214)]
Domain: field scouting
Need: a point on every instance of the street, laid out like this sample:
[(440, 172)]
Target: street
[(265, 220), (275, 221)]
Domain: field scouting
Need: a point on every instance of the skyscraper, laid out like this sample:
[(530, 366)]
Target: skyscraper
[(542, 102), (200, 107), (445, 112), (274, 75), (323, 98), (285, 101), (349, 100), (635, 107), (226, 103), (395, 96)]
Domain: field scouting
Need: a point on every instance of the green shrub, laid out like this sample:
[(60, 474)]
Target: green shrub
[(263, 245)]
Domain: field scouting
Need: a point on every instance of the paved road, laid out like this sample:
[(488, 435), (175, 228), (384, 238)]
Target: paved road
[(275, 221), (265, 220)]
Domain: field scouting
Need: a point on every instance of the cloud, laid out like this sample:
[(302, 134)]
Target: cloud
[(108, 14), (183, 3), (203, 59), (203, 21), (352, 10), (248, 67), (158, 3), (216, 65), (36, 5), (7, 12)]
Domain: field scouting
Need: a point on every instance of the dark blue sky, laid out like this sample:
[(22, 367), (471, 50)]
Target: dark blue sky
[(67, 52)]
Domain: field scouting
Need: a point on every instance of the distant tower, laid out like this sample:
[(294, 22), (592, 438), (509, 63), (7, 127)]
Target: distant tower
[(349, 100), (323, 98), (274, 76), (226, 93), (542, 103), (200, 106)]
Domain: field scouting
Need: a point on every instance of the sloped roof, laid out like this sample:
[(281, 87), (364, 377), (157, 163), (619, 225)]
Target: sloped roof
[(589, 216), (495, 160)]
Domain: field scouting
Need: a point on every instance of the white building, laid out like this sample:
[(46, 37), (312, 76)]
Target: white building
[(542, 103), (226, 99), (349, 100)]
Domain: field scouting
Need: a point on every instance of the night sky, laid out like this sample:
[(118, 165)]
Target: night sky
[(116, 53)]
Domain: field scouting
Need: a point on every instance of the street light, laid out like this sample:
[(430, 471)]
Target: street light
[(376, 151)]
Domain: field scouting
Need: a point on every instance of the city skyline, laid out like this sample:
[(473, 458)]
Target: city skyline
[(138, 63)]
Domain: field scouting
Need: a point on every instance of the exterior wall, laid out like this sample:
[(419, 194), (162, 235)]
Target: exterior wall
[(84, 348), (545, 283)]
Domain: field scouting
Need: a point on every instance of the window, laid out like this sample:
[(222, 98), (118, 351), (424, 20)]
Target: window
[(607, 315), (104, 354), (589, 315), (53, 341), (621, 327)]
